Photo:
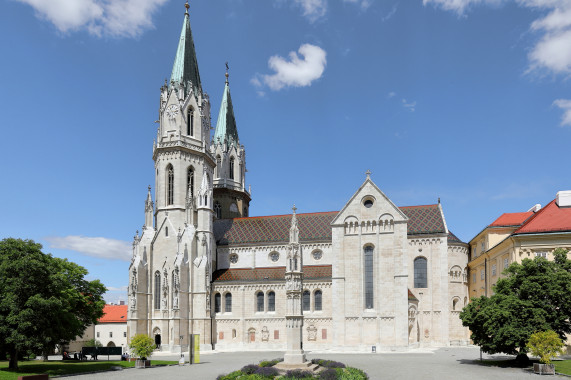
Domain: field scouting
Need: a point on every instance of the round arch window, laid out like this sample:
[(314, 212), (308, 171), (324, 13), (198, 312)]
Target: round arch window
[(368, 203), (233, 258)]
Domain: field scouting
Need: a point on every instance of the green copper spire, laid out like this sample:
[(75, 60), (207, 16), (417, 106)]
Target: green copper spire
[(185, 66), (226, 124)]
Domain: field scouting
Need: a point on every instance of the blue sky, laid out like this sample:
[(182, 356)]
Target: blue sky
[(466, 100)]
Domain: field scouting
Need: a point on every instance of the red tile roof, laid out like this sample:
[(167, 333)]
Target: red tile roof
[(114, 314), (511, 219), (551, 218), (313, 227), (411, 296), (310, 272)]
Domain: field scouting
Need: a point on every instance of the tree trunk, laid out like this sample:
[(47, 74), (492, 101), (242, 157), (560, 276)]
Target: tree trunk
[(13, 359)]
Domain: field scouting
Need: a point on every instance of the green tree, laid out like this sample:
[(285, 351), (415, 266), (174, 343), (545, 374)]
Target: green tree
[(142, 346), (93, 343), (546, 345), (534, 296), (44, 300)]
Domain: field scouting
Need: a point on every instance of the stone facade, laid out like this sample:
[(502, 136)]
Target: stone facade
[(374, 274)]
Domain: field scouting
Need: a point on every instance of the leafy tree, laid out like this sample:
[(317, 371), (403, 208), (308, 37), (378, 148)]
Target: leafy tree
[(142, 346), (546, 345), (44, 300), (93, 343), (534, 296)]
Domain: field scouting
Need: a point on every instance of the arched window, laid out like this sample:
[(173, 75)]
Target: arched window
[(217, 301), (228, 302), (231, 174), (272, 301), (420, 274), (260, 301), (368, 262), (317, 299), (157, 290), (190, 180), (170, 185), (166, 231), (245, 215), (218, 166), (306, 300), (218, 210), (190, 122)]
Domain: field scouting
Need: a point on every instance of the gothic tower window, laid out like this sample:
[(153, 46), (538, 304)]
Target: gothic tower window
[(217, 301), (218, 166), (157, 290), (231, 174), (317, 299), (420, 273), (228, 302), (170, 185), (190, 122), (218, 210), (260, 301), (306, 300), (272, 301), (368, 262), (190, 180)]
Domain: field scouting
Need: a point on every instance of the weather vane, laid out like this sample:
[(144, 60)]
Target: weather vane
[(227, 68)]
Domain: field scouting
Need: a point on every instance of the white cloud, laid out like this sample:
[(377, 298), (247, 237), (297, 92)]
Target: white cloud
[(93, 246), (458, 6), (391, 13), (295, 71), (363, 3), (313, 9), (391, 94), (411, 106), (117, 18), (565, 105)]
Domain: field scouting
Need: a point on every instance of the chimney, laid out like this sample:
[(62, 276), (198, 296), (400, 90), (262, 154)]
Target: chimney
[(535, 208), (121, 302), (563, 198)]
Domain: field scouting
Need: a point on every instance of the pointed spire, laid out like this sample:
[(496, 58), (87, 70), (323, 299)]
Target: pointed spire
[(226, 129), (294, 230), (185, 67)]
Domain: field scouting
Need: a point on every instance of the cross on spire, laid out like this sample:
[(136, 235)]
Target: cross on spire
[(368, 173), (294, 208)]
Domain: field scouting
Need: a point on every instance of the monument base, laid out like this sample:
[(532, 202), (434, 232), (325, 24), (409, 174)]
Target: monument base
[(297, 358)]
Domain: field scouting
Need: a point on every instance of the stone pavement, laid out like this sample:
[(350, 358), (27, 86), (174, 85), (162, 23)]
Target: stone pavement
[(442, 364)]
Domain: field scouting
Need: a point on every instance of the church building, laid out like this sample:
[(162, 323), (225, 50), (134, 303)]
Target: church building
[(374, 273)]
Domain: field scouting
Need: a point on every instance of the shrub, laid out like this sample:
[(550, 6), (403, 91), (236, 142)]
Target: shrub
[(546, 345), (142, 346), (270, 372), (231, 376), (351, 373), (328, 374), (269, 363), (298, 374), (249, 369)]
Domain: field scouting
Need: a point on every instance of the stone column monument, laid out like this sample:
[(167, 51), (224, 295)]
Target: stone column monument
[(294, 355)]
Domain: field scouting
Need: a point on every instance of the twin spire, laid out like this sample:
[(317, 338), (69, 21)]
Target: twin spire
[(226, 130)]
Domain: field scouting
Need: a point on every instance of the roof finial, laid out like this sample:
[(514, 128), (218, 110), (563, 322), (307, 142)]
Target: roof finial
[(438, 200), (294, 208), (227, 68), (368, 173), (186, 6)]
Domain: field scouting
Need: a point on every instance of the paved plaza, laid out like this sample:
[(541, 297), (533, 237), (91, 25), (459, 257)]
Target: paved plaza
[(442, 364)]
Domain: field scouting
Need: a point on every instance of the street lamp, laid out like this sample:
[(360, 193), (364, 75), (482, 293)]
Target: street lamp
[(181, 346)]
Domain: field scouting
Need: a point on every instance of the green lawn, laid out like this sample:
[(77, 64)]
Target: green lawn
[(563, 366), (56, 368)]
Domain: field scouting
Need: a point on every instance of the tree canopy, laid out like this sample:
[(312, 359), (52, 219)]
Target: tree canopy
[(44, 300), (534, 296)]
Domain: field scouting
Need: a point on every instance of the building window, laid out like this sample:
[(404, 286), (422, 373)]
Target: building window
[(190, 181), (231, 174), (245, 212), (228, 302), (217, 301), (483, 246), (493, 269), (98, 334), (125, 334), (317, 300), (306, 300), (474, 278), (368, 262), (420, 273), (218, 210), (166, 231), (541, 254), (218, 166), (170, 185), (110, 334), (272, 301), (190, 122), (482, 274), (259, 301), (157, 290), (506, 263)]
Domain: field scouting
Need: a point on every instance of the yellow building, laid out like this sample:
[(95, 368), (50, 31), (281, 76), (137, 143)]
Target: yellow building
[(516, 236)]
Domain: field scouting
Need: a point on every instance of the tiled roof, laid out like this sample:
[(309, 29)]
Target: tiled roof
[(511, 219), (425, 219), (313, 227), (551, 218), (114, 314), (411, 296), (453, 238), (310, 272)]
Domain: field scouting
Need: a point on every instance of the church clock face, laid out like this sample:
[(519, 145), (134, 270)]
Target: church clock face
[(172, 111)]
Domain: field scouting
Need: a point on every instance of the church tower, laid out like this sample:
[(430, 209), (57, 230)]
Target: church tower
[(171, 300), (231, 199)]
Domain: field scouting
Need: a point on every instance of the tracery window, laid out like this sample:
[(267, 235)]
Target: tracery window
[(157, 290), (231, 174), (170, 185), (420, 273), (260, 301), (368, 262), (190, 122), (190, 180), (218, 166), (317, 299), (306, 300), (228, 302), (217, 302), (272, 301), (218, 210)]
